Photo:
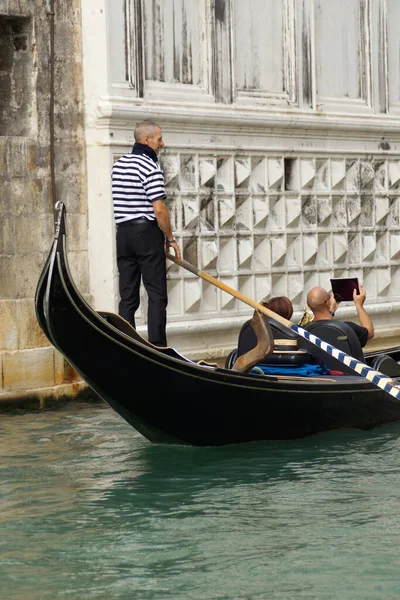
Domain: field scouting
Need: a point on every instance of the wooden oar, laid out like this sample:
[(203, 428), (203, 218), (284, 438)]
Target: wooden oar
[(379, 379)]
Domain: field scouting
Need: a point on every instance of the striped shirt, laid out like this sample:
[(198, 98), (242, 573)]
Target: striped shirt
[(137, 181)]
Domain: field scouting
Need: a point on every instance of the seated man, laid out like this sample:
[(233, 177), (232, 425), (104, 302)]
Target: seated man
[(324, 306), (281, 305)]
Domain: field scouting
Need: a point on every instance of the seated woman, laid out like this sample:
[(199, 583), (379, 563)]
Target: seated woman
[(280, 305)]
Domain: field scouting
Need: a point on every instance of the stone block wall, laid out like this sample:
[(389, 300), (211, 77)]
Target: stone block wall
[(28, 363), (271, 224)]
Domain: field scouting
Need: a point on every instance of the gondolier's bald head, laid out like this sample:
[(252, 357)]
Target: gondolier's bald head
[(145, 129), (149, 134), (316, 298)]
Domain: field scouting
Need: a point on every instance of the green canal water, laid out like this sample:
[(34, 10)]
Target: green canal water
[(91, 510)]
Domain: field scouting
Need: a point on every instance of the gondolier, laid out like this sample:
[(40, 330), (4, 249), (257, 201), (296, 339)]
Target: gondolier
[(143, 230)]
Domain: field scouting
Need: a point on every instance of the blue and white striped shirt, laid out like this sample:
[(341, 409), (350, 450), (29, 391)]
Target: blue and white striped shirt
[(137, 181)]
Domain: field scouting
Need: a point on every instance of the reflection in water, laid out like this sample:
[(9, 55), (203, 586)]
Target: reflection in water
[(90, 509)]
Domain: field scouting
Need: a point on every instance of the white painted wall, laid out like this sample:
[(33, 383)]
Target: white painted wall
[(96, 29), (282, 126)]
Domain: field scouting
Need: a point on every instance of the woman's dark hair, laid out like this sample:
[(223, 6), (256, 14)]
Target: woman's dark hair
[(281, 305)]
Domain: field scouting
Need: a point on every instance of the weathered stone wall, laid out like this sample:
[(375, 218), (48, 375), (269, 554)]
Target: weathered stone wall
[(27, 361)]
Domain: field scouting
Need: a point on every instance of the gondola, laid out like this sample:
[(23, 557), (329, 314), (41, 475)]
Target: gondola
[(170, 399)]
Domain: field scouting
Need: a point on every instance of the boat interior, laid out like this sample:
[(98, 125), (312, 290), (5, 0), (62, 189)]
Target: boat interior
[(280, 348), (336, 333)]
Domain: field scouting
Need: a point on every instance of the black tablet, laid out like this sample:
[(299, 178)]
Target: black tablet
[(343, 288)]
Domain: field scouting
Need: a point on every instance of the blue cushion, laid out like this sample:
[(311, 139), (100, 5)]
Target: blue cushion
[(297, 370)]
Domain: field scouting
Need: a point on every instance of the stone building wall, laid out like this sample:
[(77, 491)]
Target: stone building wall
[(28, 364)]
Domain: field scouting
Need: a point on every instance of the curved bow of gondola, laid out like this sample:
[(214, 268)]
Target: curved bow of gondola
[(42, 288)]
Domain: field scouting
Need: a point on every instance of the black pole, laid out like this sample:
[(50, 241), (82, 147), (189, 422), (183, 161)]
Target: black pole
[(52, 135)]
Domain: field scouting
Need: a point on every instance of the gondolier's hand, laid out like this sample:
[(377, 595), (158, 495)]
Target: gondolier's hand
[(173, 244)]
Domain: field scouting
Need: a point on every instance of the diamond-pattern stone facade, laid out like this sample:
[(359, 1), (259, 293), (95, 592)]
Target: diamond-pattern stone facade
[(270, 225)]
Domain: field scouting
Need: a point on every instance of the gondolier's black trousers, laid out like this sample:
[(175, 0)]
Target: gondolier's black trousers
[(141, 257)]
